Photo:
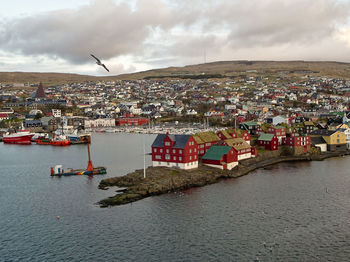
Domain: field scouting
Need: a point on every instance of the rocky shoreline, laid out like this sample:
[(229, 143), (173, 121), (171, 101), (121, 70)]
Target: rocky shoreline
[(160, 180)]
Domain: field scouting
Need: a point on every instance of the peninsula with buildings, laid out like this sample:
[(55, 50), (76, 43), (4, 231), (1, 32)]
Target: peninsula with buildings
[(213, 121)]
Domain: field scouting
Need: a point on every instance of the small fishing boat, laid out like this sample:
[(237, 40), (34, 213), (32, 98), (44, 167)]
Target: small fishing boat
[(60, 141)]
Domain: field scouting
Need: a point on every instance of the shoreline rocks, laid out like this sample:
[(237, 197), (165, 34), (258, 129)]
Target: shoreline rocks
[(161, 180)]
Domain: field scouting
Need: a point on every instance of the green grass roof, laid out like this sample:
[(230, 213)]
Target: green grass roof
[(216, 152), (265, 137)]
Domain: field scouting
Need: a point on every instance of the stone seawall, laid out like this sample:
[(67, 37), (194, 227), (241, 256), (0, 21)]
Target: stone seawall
[(160, 180)]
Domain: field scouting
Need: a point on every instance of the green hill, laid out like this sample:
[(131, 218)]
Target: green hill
[(207, 70)]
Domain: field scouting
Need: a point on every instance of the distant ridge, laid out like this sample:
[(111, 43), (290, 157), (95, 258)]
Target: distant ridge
[(213, 69)]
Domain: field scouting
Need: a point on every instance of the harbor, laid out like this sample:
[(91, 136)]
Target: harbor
[(293, 207)]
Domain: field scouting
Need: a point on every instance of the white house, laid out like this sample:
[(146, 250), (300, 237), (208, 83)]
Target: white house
[(100, 122)]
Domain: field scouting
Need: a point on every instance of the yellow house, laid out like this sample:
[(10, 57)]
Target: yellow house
[(335, 139)]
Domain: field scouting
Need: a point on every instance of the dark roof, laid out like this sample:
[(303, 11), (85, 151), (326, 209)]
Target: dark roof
[(35, 121), (317, 140), (180, 140), (322, 132)]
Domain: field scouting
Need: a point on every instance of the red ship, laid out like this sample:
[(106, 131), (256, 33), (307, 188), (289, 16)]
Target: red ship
[(22, 137)]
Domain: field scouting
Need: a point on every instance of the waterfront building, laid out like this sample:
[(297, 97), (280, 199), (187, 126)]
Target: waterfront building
[(335, 139), (223, 157), (241, 147), (319, 142), (204, 141), (297, 143), (132, 121), (100, 122), (269, 141), (179, 151)]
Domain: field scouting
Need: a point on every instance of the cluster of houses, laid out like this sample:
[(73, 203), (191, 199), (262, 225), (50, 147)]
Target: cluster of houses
[(225, 148), (243, 97)]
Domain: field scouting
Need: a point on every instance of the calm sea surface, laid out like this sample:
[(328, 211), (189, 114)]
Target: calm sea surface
[(288, 212)]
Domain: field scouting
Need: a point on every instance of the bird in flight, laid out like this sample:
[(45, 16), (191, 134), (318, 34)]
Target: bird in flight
[(99, 62)]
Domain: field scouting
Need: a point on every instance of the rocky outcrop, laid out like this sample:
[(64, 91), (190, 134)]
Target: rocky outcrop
[(160, 180)]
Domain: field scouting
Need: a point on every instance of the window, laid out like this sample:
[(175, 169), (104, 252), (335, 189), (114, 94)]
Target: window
[(190, 157), (158, 157), (190, 150), (174, 157), (161, 150), (155, 150), (180, 158), (180, 151), (167, 150), (195, 157), (167, 143), (174, 151), (167, 157), (338, 141), (195, 150)]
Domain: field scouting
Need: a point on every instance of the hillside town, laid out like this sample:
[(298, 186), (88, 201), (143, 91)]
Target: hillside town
[(227, 120)]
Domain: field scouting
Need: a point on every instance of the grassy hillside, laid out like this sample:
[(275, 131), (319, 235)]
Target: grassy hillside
[(215, 69), (233, 68)]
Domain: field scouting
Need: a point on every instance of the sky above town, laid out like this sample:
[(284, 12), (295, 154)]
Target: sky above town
[(137, 35)]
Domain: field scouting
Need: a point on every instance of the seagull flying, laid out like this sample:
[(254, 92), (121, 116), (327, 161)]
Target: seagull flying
[(99, 62)]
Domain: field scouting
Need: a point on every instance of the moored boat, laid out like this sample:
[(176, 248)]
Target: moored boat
[(90, 171), (22, 137), (59, 171), (43, 141), (60, 141)]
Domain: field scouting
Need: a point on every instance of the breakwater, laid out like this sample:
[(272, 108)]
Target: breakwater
[(160, 180)]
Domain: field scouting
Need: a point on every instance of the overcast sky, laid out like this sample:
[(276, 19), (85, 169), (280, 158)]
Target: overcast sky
[(129, 36)]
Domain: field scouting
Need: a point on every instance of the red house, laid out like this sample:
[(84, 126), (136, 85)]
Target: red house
[(278, 131), (242, 148), (175, 151), (246, 137), (259, 131), (223, 157), (269, 141), (204, 141), (3, 116), (132, 121), (234, 133), (297, 141)]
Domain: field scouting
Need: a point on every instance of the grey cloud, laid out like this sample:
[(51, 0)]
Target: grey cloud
[(104, 28), (184, 30)]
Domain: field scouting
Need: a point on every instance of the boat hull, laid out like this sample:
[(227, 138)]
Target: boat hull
[(21, 139), (80, 172), (60, 143)]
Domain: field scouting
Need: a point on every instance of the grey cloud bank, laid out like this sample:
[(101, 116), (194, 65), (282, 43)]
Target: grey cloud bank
[(178, 31)]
